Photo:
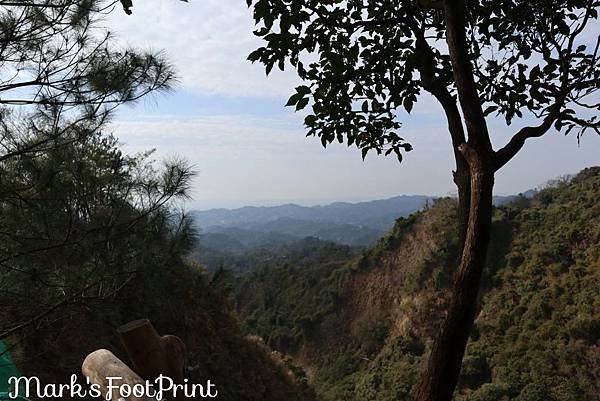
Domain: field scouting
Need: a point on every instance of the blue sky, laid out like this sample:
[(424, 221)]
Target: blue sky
[(228, 120)]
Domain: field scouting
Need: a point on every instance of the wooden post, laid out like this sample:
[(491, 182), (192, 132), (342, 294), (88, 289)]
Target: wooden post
[(151, 354), (101, 364)]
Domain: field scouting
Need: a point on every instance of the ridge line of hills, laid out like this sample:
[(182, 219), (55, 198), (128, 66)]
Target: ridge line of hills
[(225, 233), (338, 212), (361, 327)]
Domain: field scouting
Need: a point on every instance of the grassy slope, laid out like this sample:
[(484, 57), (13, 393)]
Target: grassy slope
[(362, 328)]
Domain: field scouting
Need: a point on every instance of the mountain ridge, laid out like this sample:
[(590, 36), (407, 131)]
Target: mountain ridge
[(338, 212), (359, 213), (362, 329), (358, 224)]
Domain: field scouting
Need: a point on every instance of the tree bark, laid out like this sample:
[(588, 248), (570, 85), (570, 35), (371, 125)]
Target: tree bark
[(151, 354), (462, 179), (443, 369), (440, 377), (425, 60)]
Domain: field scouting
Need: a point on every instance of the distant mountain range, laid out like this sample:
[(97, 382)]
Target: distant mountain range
[(354, 224), (378, 214), (250, 227)]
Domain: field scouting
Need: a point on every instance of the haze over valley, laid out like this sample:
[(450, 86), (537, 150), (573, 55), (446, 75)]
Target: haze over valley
[(239, 238)]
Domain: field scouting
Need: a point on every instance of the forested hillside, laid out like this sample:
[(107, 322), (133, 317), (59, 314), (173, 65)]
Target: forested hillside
[(332, 303), (90, 241), (90, 236), (305, 252), (361, 328)]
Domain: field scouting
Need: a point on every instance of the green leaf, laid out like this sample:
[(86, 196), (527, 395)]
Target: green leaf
[(294, 99), (301, 103), (408, 104), (310, 120), (490, 110), (255, 55), (269, 67), (127, 4), (303, 89)]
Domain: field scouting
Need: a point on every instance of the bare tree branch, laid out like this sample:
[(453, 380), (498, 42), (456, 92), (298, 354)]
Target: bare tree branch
[(505, 154)]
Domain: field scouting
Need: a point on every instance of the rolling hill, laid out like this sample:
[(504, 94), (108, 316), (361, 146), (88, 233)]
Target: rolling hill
[(362, 327)]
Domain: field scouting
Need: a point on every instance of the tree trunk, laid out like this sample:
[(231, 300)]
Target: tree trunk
[(151, 354), (441, 375), (462, 180), (102, 364)]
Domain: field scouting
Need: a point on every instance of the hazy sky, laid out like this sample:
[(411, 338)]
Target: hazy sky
[(228, 120)]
